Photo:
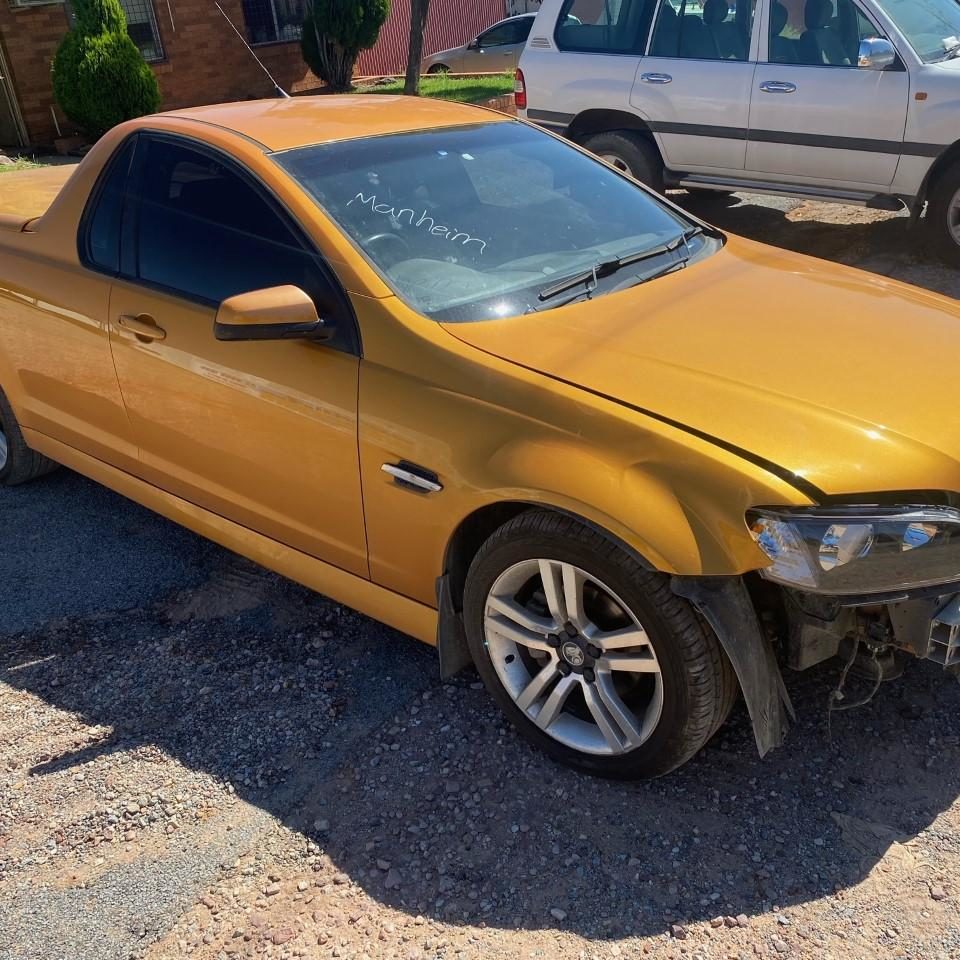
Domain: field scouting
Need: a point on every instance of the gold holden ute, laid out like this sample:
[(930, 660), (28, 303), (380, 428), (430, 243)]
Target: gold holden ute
[(460, 375)]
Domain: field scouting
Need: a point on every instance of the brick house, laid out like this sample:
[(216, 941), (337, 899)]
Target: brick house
[(194, 54)]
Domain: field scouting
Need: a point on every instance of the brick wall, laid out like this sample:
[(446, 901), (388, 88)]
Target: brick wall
[(205, 62), (30, 37)]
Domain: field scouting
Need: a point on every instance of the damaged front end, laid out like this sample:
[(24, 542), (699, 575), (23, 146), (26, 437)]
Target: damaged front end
[(870, 584)]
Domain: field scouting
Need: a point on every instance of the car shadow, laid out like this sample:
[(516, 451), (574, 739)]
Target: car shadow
[(339, 727), (876, 241)]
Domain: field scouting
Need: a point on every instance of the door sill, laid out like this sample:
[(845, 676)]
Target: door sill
[(863, 198)]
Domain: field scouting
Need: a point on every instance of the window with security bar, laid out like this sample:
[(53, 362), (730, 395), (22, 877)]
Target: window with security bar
[(269, 21), (142, 27)]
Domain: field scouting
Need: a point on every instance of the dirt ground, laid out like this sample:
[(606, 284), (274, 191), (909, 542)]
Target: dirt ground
[(199, 758)]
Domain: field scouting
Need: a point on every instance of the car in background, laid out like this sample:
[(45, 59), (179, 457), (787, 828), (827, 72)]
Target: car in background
[(497, 49), (853, 101)]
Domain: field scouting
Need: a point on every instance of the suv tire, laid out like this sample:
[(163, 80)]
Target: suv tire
[(943, 215), (630, 153), (18, 463), (618, 708)]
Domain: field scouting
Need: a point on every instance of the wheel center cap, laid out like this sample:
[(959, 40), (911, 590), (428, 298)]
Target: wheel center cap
[(572, 654)]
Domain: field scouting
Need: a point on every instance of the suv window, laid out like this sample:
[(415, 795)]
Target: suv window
[(604, 26), (818, 32), (711, 30), (206, 232), (511, 31), (100, 230)]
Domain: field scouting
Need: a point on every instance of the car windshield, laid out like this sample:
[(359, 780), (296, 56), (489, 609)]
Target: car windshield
[(474, 223), (932, 27)]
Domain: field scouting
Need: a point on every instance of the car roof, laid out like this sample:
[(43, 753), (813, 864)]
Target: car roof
[(282, 124)]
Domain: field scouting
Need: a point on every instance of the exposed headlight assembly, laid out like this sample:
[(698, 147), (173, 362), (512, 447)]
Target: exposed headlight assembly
[(853, 550)]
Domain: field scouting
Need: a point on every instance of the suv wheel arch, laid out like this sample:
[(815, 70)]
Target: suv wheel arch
[(590, 122)]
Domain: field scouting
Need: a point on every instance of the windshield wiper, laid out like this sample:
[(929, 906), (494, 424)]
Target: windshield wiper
[(606, 268)]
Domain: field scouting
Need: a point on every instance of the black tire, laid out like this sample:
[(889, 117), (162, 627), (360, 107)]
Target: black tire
[(18, 463), (631, 153), (698, 683), (438, 68), (942, 207)]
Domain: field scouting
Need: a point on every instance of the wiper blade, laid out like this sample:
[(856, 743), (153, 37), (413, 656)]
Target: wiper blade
[(606, 268)]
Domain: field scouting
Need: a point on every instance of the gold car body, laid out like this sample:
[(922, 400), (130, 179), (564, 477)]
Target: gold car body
[(660, 414)]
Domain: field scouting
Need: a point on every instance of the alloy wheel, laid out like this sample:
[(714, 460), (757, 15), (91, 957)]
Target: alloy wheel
[(573, 657), (953, 217), (615, 160)]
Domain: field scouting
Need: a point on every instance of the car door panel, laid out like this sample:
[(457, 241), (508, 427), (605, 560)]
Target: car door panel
[(694, 83), (837, 123), (261, 432), (699, 116), (830, 120), (61, 377), (54, 330)]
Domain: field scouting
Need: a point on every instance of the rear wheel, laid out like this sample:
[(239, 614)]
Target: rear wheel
[(439, 68), (591, 656), (943, 215), (18, 463), (630, 153)]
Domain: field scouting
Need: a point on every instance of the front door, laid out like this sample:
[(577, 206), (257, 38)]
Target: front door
[(693, 86), (814, 114), (263, 433)]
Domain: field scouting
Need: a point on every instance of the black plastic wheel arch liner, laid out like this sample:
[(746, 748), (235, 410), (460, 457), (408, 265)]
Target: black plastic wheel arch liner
[(726, 605)]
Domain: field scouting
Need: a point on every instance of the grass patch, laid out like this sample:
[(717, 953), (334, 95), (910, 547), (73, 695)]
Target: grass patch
[(443, 86), (20, 163)]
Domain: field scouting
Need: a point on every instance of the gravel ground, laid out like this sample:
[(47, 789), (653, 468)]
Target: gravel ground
[(200, 758)]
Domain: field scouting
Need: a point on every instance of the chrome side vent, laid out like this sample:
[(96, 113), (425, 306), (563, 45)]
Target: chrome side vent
[(542, 42), (945, 635)]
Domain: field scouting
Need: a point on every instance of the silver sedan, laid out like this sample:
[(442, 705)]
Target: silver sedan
[(495, 50)]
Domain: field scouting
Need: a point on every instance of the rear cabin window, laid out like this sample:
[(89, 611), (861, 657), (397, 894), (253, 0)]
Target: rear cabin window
[(100, 246), (604, 26)]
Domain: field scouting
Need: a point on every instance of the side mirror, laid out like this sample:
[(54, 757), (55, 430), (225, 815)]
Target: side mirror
[(275, 313), (474, 44), (876, 54)]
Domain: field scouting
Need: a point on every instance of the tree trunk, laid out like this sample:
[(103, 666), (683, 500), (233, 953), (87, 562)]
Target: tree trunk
[(337, 65), (418, 23)]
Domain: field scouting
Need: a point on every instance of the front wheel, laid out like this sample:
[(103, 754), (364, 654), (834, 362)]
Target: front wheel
[(591, 655), (943, 215)]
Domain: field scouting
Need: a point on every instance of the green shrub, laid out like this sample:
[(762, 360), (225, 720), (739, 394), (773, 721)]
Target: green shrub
[(99, 76), (335, 32)]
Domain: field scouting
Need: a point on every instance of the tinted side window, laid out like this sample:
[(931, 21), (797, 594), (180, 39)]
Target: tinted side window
[(207, 233), (100, 239), (604, 26), (513, 31), (713, 30)]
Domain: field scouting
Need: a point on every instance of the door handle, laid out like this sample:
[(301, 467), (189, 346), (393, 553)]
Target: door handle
[(410, 475), (141, 327), (778, 86), (656, 77)]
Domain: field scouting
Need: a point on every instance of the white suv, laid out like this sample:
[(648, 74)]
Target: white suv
[(849, 100)]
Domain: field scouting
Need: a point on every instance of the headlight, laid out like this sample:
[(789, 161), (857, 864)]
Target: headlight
[(859, 550)]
